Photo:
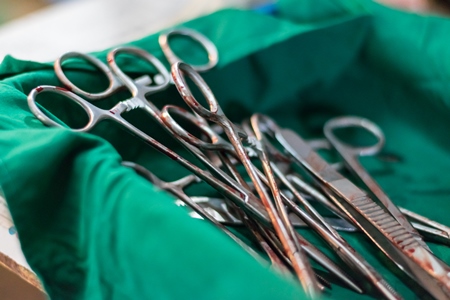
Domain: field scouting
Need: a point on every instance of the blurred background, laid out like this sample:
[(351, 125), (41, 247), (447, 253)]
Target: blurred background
[(43, 29), (11, 9)]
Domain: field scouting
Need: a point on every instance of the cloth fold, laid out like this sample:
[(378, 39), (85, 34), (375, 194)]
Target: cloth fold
[(93, 229)]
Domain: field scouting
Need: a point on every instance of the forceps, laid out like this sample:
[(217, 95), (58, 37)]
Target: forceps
[(350, 155), (396, 242)]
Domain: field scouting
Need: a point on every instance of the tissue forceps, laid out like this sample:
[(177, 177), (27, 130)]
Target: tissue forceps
[(116, 82), (350, 155), (389, 236), (281, 225), (433, 230)]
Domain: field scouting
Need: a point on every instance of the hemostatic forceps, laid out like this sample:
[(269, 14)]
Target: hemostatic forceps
[(116, 81), (139, 90)]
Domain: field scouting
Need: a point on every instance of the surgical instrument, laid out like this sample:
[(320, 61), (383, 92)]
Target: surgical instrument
[(339, 245), (350, 156), (138, 100), (116, 83), (219, 209), (216, 142), (420, 265), (281, 224)]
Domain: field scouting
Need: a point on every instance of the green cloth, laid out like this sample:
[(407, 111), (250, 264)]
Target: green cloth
[(93, 229)]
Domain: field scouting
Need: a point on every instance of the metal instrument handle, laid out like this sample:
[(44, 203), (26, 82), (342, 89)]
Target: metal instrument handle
[(351, 121), (94, 114), (137, 88), (217, 143), (210, 48), (114, 84), (179, 70)]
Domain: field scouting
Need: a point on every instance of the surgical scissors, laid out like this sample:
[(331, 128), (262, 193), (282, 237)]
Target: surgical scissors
[(431, 230), (432, 275)]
